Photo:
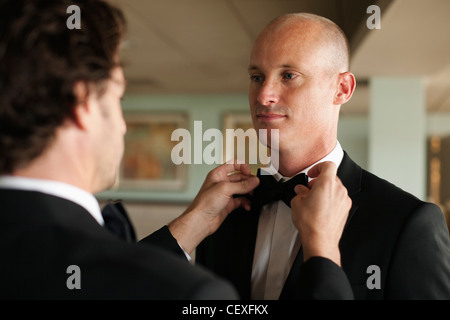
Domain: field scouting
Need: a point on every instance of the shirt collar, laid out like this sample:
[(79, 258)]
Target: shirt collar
[(55, 188), (335, 156)]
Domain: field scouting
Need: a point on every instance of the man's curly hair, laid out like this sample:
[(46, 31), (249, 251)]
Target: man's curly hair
[(40, 62)]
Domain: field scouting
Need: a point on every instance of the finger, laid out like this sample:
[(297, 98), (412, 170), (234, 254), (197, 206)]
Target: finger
[(234, 166), (301, 192), (237, 176), (301, 189), (241, 202), (243, 168), (311, 183), (222, 172), (242, 187), (326, 168)]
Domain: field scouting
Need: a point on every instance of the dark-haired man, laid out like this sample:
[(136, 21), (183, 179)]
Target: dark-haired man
[(61, 140)]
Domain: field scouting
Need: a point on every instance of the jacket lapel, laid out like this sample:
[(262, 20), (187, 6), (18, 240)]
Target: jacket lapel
[(244, 240), (350, 174), (290, 288)]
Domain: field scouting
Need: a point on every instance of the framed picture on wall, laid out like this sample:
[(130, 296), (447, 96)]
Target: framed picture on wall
[(438, 168), (147, 163), (251, 149)]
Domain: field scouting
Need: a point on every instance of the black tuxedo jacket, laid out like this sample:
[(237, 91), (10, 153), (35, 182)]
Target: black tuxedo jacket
[(387, 227), (42, 235)]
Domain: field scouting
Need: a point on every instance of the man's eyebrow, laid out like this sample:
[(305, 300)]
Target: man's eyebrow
[(252, 68), (286, 66), (281, 66)]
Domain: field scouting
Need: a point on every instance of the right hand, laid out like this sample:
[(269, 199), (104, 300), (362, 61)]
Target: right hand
[(213, 203), (320, 212)]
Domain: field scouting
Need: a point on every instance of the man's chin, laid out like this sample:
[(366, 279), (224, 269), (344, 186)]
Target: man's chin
[(269, 138)]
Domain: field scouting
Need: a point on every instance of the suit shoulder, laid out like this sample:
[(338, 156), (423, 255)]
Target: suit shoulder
[(390, 201), (385, 191), (381, 203)]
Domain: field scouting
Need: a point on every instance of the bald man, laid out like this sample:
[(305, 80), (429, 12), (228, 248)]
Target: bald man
[(391, 244)]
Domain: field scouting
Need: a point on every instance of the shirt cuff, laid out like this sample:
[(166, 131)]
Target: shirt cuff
[(188, 257)]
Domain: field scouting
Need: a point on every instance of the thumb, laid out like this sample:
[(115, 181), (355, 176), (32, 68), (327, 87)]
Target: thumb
[(301, 192), (301, 189), (244, 186)]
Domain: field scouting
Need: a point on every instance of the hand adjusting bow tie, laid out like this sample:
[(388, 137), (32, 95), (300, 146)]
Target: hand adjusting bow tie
[(270, 189), (117, 221)]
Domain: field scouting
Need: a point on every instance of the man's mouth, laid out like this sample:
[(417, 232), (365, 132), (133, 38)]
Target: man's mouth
[(269, 116)]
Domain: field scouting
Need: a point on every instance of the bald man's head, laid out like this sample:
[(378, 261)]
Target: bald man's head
[(322, 34), (299, 79)]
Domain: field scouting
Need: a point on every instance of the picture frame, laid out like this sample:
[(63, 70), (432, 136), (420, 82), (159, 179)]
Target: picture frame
[(438, 188), (146, 164), (241, 120)]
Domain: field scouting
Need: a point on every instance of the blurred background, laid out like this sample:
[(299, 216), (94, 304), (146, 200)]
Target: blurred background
[(186, 61)]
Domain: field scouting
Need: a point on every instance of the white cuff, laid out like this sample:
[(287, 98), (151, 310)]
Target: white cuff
[(188, 257)]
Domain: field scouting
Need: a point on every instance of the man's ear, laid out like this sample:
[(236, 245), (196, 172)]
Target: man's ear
[(81, 108), (346, 87)]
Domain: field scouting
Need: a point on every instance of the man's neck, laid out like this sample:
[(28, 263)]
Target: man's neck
[(295, 160), (36, 171), (59, 164)]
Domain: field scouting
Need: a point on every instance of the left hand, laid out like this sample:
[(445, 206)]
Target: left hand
[(320, 212)]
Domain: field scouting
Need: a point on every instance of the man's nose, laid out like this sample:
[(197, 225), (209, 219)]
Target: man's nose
[(269, 93)]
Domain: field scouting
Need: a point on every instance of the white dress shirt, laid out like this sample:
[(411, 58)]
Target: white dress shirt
[(278, 241), (54, 188)]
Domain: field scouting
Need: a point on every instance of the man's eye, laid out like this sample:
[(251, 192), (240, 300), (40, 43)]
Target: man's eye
[(256, 78), (289, 75)]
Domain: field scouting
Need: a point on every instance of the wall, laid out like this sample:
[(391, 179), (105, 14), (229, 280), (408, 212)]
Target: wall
[(151, 210), (209, 109)]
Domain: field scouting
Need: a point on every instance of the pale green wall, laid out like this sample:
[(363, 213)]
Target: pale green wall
[(207, 108), (353, 134), (353, 137)]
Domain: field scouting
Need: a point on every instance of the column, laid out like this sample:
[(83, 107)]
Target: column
[(397, 132)]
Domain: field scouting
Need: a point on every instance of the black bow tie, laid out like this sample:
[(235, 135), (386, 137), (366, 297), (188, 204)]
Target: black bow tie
[(117, 221), (270, 189)]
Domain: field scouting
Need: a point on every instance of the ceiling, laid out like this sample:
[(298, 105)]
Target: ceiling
[(203, 46)]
